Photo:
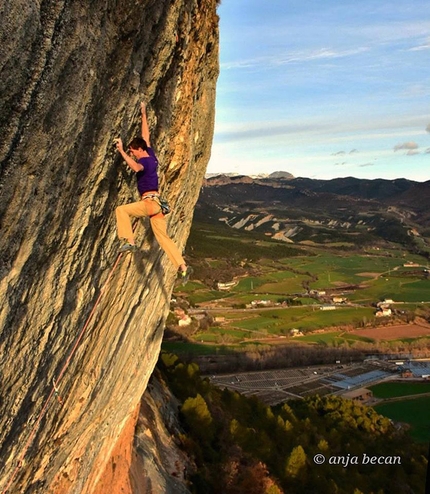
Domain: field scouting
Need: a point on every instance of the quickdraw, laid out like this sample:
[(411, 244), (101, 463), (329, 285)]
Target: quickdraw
[(57, 392)]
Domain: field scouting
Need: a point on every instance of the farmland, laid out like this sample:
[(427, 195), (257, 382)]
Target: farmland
[(406, 402), (413, 412), (398, 389), (394, 332), (272, 299), (300, 294)]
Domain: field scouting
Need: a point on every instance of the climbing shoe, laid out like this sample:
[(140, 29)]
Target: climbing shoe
[(184, 276), (127, 248)]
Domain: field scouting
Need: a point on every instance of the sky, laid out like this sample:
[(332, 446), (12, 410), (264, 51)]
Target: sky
[(324, 89)]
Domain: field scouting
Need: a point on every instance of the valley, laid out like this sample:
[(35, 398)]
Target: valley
[(284, 322), (290, 306), (265, 298)]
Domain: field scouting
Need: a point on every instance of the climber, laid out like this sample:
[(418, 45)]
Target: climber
[(144, 163)]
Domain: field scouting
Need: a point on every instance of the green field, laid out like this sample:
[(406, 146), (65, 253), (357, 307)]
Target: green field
[(399, 289), (379, 278), (397, 389), (282, 282), (280, 321), (332, 338), (241, 325), (382, 277), (274, 272), (414, 412)]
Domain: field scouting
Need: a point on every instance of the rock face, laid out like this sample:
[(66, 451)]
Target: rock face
[(146, 458), (80, 327)]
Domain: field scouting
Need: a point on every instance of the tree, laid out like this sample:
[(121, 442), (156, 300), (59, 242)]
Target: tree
[(198, 417), (169, 359), (323, 445), (296, 462)]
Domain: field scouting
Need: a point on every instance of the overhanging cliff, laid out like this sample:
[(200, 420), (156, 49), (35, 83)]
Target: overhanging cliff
[(80, 334)]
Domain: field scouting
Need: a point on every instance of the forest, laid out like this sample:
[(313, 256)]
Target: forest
[(316, 445)]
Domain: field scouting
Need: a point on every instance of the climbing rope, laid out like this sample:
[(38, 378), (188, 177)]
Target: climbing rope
[(56, 381)]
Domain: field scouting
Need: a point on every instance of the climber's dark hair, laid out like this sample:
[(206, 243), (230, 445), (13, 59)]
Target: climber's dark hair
[(138, 142)]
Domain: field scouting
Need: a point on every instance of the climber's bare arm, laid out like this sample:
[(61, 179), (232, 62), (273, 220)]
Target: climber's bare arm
[(145, 128)]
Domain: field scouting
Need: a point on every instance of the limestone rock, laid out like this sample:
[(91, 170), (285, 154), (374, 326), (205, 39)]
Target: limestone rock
[(72, 76)]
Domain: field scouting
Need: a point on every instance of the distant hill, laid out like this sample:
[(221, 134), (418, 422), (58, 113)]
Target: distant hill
[(284, 175), (223, 178), (320, 211)]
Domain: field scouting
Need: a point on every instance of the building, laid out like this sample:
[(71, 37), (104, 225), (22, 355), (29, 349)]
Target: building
[(362, 395), (328, 307), (383, 313), (264, 303), (406, 373), (225, 287), (295, 332)]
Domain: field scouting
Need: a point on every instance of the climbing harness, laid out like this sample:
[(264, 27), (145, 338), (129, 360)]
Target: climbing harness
[(164, 205)]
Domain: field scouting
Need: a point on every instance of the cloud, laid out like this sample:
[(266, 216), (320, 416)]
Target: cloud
[(258, 130), (318, 54), (318, 128), (409, 146), (428, 128), (353, 151), (366, 164), (339, 153), (425, 45), (292, 57), (427, 151), (412, 152)]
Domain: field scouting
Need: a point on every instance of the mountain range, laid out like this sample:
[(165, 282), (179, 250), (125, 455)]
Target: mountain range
[(320, 211)]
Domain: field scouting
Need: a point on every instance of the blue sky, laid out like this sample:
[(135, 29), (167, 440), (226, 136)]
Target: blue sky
[(324, 89)]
